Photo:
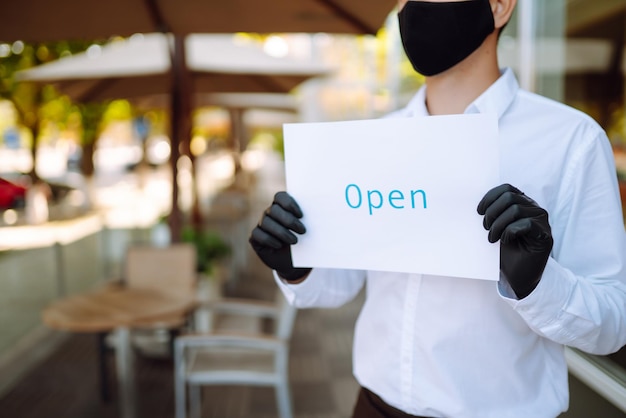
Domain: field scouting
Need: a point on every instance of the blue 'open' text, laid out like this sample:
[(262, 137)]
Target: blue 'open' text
[(415, 199)]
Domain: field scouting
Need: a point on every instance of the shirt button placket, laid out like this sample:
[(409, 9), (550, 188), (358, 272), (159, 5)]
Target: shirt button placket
[(408, 340)]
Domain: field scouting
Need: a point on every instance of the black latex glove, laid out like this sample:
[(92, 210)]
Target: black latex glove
[(272, 238), (524, 233)]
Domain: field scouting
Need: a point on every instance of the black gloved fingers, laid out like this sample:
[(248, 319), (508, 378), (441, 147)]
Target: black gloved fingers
[(533, 232), (277, 230), (285, 218), (511, 220), (502, 204), (287, 202), (259, 239), (494, 194), (517, 230), (497, 225), (507, 205)]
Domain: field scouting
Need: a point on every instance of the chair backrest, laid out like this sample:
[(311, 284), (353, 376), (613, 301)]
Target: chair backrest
[(171, 269), (286, 317)]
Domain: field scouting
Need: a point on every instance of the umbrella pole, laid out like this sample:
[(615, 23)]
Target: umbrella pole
[(180, 114), (237, 132)]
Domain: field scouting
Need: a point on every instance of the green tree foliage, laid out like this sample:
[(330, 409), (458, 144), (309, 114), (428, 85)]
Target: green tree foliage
[(21, 56), (36, 106)]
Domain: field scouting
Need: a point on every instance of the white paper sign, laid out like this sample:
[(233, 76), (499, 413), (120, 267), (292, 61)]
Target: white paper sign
[(395, 194)]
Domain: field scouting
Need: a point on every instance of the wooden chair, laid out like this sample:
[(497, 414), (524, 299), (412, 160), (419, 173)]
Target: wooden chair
[(226, 357), (170, 269)]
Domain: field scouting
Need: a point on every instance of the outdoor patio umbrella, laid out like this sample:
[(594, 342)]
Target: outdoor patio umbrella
[(140, 69), (42, 20), (45, 20)]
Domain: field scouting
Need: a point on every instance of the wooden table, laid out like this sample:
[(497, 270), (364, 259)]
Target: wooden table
[(117, 309)]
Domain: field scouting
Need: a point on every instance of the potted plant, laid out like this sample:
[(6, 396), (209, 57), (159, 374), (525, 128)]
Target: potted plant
[(210, 247)]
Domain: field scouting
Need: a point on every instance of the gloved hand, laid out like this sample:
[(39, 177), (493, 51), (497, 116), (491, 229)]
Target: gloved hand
[(524, 233), (272, 237)]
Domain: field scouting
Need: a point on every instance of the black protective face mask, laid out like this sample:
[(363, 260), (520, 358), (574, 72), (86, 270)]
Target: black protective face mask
[(437, 36)]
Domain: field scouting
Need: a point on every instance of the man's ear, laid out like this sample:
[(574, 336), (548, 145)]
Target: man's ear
[(502, 11)]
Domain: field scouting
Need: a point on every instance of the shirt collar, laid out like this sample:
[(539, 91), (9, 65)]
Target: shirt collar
[(496, 99), (417, 105)]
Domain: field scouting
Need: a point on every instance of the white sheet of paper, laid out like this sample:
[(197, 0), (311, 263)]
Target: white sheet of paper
[(395, 194)]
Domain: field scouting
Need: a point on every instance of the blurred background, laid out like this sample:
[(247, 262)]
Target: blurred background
[(167, 127)]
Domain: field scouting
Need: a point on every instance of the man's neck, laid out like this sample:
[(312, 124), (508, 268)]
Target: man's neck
[(453, 90)]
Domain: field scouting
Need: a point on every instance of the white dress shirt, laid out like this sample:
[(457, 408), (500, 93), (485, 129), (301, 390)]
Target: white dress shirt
[(452, 347)]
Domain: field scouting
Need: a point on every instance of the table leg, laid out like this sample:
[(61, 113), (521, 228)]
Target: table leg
[(125, 373)]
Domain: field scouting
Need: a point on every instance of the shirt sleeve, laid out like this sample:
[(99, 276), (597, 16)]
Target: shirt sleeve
[(581, 298), (323, 288)]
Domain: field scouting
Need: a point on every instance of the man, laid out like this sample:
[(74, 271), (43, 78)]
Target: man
[(453, 347)]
